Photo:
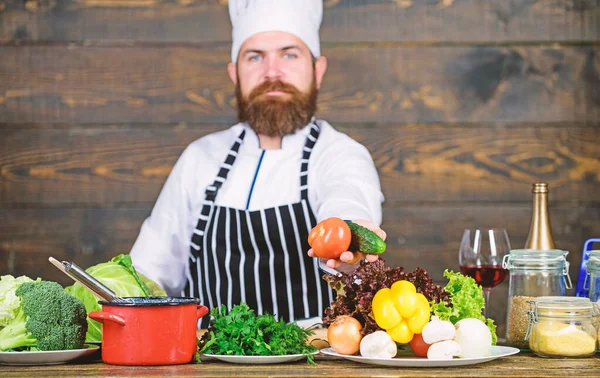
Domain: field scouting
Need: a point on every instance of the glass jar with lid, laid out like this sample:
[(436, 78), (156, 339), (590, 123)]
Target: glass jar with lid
[(592, 279), (592, 282), (561, 327), (532, 273)]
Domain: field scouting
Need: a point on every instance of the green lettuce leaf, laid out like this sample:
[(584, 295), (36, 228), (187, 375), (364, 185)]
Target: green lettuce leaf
[(125, 261), (120, 276), (467, 302)]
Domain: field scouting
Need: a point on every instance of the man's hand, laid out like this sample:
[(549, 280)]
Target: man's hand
[(353, 258)]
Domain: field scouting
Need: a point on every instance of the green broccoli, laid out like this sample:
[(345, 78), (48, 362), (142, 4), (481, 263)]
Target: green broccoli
[(49, 319)]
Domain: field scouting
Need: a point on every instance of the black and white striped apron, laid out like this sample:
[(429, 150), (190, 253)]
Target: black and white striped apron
[(257, 257)]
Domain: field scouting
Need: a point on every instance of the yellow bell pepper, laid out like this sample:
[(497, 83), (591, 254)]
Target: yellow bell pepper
[(401, 311)]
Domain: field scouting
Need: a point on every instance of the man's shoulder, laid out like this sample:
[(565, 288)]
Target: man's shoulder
[(333, 138), (212, 147), (216, 140)]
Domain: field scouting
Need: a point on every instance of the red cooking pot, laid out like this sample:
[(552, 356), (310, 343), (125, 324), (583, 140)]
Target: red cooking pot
[(149, 330)]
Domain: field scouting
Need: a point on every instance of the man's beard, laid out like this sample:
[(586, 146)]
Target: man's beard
[(276, 115)]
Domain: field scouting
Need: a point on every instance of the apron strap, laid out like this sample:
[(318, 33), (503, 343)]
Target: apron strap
[(211, 191), (311, 139)]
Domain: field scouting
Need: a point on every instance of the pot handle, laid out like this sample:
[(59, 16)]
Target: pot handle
[(201, 311), (102, 316)]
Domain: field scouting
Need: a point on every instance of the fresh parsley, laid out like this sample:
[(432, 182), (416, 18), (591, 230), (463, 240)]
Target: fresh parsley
[(241, 332)]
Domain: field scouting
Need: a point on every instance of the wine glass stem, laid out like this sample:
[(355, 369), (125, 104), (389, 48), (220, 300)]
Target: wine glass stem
[(486, 297)]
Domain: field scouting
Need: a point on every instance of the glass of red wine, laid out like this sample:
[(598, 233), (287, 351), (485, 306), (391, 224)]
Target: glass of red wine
[(480, 257)]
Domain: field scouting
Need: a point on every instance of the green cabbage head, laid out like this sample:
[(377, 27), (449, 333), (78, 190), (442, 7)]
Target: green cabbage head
[(120, 276)]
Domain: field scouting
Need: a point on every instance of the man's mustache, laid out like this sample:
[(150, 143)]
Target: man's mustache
[(275, 85)]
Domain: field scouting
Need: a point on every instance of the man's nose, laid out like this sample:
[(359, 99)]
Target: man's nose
[(272, 68)]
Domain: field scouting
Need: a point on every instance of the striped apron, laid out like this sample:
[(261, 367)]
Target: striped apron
[(257, 257)]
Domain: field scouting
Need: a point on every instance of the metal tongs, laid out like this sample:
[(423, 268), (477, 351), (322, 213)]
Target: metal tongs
[(323, 266), (86, 280)]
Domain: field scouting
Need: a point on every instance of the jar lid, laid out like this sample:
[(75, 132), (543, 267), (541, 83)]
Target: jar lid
[(594, 255), (561, 307), (564, 303), (535, 259), (538, 254)]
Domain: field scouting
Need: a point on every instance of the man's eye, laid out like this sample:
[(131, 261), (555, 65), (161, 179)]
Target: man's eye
[(254, 58), (290, 56)]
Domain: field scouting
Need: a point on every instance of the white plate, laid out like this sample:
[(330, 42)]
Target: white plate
[(259, 360), (497, 352), (53, 357)]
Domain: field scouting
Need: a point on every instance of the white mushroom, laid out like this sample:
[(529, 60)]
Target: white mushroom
[(443, 350), (474, 338), (378, 345), (438, 330)]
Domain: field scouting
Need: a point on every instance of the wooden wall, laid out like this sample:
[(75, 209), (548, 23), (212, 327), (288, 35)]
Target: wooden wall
[(462, 103)]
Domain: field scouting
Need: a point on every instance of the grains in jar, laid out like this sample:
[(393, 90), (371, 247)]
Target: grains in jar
[(562, 327), (518, 321)]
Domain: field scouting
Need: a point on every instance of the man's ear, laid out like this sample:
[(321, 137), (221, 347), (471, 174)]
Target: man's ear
[(232, 71), (320, 69)]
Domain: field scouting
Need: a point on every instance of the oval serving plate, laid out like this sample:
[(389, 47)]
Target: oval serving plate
[(257, 360), (53, 357), (497, 352)]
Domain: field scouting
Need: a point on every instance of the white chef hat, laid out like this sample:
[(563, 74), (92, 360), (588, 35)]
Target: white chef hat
[(301, 18)]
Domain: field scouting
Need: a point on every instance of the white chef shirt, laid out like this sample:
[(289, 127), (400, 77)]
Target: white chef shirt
[(342, 182)]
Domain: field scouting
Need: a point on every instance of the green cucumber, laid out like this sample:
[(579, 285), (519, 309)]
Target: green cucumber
[(365, 240)]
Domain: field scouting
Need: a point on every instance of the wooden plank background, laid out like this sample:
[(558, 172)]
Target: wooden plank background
[(150, 84), (352, 21), (462, 103)]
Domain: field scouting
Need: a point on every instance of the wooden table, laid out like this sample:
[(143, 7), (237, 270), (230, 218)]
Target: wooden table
[(520, 365)]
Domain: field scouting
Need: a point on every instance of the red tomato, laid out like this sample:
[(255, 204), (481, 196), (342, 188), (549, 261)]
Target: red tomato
[(418, 346), (330, 238), (344, 335)]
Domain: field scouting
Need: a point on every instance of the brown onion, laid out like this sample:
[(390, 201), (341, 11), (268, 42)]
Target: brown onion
[(344, 335)]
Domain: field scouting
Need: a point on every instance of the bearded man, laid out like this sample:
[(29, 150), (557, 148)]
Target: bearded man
[(231, 223)]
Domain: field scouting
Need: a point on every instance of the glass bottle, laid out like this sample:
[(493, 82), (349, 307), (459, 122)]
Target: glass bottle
[(531, 274), (540, 232), (561, 327)]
